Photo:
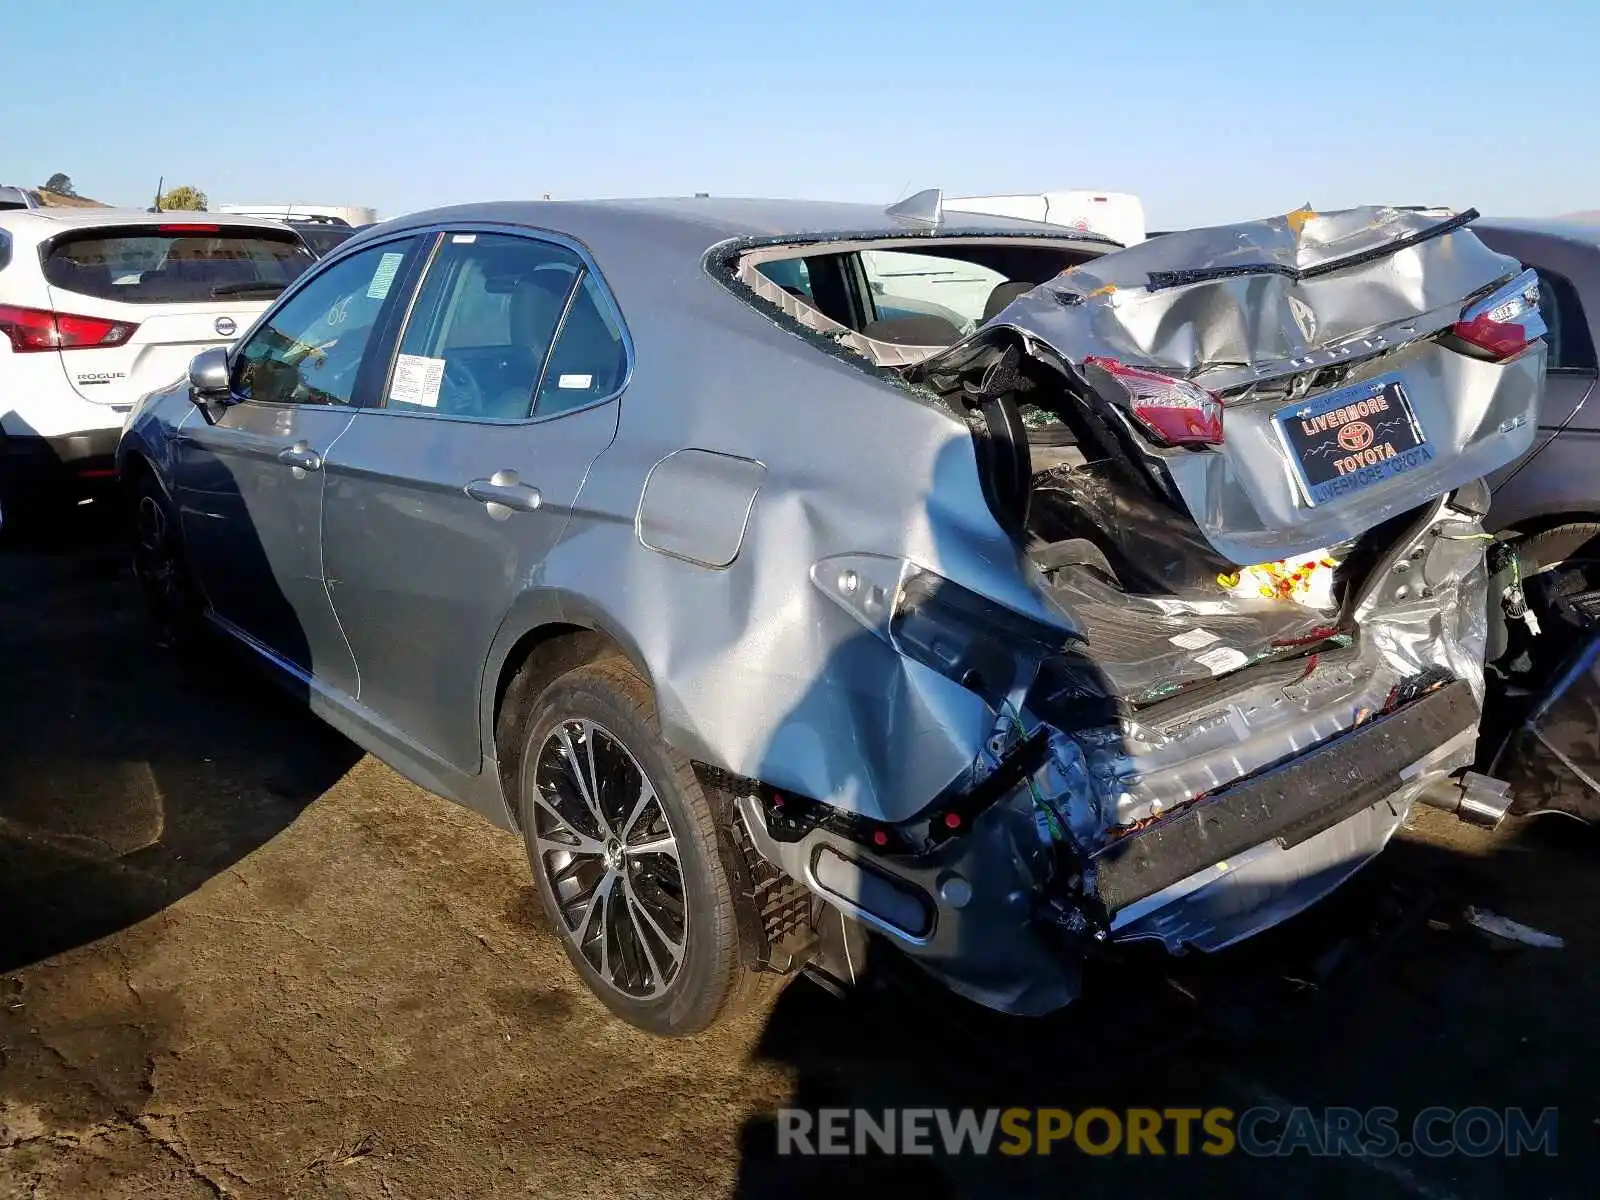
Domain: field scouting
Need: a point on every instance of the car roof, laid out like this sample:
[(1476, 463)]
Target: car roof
[(720, 218), (1584, 228), (649, 250)]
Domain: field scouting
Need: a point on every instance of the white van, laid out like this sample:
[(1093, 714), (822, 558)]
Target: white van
[(1116, 215), (354, 215)]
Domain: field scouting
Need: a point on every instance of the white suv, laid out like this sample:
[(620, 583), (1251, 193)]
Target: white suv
[(99, 306)]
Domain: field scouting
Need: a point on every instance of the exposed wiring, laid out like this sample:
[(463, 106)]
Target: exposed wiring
[(1051, 816)]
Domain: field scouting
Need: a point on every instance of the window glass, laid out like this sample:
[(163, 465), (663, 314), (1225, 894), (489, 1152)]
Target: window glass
[(310, 351), (1570, 347), (482, 326), (324, 239), (907, 284), (791, 274), (174, 264), (590, 358)]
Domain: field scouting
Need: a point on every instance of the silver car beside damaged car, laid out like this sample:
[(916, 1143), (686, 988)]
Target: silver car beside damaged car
[(770, 610)]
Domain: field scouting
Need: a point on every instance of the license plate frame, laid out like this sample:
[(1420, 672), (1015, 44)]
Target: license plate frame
[(1378, 439)]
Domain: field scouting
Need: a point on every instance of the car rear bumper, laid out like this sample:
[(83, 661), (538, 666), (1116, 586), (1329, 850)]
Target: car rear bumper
[(74, 460), (1289, 805), (1210, 874)]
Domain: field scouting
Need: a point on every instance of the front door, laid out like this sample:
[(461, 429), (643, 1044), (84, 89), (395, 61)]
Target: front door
[(250, 483), (442, 502)]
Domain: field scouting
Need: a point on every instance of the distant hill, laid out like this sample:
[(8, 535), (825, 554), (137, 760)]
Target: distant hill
[(1592, 214), (59, 200)]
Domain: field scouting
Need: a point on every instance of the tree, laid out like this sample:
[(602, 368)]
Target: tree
[(183, 198), (60, 184)]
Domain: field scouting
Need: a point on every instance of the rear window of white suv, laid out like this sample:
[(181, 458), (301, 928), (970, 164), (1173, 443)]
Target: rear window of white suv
[(175, 264)]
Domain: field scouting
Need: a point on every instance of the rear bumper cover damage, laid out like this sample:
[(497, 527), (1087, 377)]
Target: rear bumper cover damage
[(1287, 805), (988, 914)]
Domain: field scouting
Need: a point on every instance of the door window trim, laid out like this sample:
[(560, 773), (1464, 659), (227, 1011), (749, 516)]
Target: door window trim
[(1574, 318), (405, 279), (588, 269)]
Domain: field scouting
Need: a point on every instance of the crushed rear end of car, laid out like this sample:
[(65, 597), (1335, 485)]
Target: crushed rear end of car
[(1242, 467)]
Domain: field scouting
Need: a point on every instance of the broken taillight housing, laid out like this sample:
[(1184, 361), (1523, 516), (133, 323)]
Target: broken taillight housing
[(1173, 411), (984, 646), (1506, 321)]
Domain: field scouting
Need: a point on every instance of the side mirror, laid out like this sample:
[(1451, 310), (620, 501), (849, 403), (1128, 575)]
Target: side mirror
[(208, 382)]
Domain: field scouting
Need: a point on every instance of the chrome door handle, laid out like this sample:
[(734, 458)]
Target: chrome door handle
[(302, 456), (505, 489)]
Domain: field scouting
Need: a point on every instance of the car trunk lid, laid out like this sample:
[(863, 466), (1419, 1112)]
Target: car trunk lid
[(156, 353), (1328, 344)]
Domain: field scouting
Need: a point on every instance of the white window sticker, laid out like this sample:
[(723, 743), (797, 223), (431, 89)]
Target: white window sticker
[(1193, 639), (1222, 660), (416, 380), (575, 381), (383, 277), (463, 239)]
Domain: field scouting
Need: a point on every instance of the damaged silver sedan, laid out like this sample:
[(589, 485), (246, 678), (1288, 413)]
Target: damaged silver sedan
[(790, 573)]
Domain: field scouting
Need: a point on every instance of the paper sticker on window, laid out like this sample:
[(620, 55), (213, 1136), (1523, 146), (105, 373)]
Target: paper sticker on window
[(383, 277), (1193, 639), (575, 381), (1222, 660), (416, 380), (464, 239)]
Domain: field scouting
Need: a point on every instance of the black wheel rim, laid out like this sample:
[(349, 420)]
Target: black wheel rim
[(153, 561), (610, 855)]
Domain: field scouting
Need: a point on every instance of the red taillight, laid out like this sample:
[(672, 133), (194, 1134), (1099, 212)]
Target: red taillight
[(1174, 411), (189, 228), (1505, 322), (34, 329)]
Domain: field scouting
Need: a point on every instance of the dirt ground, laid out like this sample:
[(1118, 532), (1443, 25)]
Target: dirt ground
[(238, 958)]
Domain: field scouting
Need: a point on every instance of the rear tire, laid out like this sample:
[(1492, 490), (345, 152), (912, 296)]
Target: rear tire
[(1560, 570), (1557, 566), (635, 883)]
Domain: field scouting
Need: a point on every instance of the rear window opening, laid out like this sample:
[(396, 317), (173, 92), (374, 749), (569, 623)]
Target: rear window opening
[(175, 264), (895, 302)]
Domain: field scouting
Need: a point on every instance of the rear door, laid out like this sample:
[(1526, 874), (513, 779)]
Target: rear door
[(158, 294), (250, 484), (442, 503)]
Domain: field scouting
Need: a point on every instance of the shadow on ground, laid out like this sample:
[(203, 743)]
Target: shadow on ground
[(370, 1009), (1382, 995), (127, 778)]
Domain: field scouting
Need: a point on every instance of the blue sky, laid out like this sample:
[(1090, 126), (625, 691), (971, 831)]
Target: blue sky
[(1209, 112)]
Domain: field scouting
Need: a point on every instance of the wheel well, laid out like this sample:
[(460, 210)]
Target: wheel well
[(1545, 522), (133, 468), (538, 659), (134, 465)]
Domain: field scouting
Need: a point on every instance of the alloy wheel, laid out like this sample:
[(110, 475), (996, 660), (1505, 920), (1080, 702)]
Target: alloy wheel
[(153, 561), (610, 855)]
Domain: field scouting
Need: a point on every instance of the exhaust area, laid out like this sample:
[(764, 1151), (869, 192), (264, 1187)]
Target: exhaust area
[(1479, 800)]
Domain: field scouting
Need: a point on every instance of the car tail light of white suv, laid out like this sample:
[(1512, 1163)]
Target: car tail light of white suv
[(35, 329)]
